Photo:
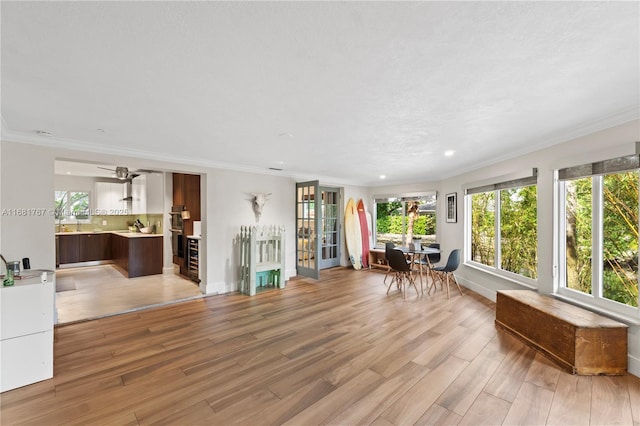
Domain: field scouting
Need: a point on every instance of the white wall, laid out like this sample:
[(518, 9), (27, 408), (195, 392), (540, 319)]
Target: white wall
[(229, 206), (27, 222)]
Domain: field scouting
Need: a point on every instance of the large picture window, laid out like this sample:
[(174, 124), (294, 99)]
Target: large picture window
[(503, 227), (401, 220), (598, 229)]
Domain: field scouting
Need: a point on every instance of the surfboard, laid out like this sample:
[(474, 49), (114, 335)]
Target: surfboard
[(352, 234), (364, 233)]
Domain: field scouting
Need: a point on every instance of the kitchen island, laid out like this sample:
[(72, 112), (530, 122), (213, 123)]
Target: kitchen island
[(134, 254)]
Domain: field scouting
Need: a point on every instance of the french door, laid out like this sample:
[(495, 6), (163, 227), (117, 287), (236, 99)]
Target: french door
[(317, 228)]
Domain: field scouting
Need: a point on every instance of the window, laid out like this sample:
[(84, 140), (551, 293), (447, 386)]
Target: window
[(503, 227), (71, 206), (598, 228), (401, 220)]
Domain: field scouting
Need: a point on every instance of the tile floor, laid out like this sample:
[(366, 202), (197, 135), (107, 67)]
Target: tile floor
[(102, 290)]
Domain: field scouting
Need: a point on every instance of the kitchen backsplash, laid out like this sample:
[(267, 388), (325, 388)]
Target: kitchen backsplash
[(116, 223)]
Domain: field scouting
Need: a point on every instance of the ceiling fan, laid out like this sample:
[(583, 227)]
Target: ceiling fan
[(123, 173)]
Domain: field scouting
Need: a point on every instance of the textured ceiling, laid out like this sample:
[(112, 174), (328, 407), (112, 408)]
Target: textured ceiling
[(340, 91)]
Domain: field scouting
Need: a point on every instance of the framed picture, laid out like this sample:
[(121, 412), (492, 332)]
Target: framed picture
[(452, 207)]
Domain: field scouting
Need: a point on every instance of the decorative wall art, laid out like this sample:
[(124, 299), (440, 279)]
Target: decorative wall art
[(452, 207)]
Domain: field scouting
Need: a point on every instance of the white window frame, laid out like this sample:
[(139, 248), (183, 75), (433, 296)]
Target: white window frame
[(402, 198), (507, 183), (70, 218), (595, 300)]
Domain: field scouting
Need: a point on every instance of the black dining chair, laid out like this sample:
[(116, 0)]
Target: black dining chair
[(403, 272), (434, 257), (446, 271), (387, 247)]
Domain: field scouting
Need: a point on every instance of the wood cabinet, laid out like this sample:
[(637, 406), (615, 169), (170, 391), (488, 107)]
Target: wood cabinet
[(94, 247), (109, 198), (137, 256), (68, 249), (186, 192), (76, 248)]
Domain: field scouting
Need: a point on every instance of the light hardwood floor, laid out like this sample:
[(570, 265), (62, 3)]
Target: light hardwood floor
[(103, 290), (333, 351)]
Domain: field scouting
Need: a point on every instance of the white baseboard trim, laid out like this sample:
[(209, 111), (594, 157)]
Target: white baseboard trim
[(482, 291), (220, 288), (633, 366)]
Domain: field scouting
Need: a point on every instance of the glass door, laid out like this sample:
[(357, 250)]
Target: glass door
[(317, 228), (330, 230), (307, 229)]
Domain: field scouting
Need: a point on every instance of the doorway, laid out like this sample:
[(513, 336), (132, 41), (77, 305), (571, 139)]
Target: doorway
[(318, 227)]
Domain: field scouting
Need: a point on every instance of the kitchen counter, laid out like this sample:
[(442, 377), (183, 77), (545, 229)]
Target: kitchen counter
[(126, 234), (134, 253), (134, 234)]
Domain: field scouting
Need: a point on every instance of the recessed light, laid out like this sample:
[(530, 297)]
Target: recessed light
[(449, 153), (100, 130), (68, 173), (383, 176), (285, 135), (43, 133)]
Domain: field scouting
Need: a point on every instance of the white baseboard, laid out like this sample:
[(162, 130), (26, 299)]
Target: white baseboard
[(633, 366), (482, 291)]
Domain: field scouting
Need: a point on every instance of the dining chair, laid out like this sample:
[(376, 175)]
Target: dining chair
[(446, 271), (402, 271), (387, 247)]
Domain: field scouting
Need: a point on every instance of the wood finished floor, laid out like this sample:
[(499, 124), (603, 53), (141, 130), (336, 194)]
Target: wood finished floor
[(335, 351), (103, 290)]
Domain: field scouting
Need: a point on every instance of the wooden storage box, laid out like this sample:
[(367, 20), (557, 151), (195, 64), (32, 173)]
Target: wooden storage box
[(578, 340)]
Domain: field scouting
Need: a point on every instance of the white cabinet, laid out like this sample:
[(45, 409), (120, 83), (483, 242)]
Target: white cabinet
[(110, 198), (155, 193), (139, 195), (147, 192), (26, 347)]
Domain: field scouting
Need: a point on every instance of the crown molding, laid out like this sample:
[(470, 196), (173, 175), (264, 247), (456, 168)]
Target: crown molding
[(74, 145)]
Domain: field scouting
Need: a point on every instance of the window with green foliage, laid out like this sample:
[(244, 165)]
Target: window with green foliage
[(71, 205), (512, 214), (400, 220), (599, 229)]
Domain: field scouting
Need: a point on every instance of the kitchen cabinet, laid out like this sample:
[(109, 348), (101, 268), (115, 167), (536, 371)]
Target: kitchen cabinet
[(94, 247), (137, 255), (147, 192), (110, 198), (68, 248), (186, 192), (26, 345)]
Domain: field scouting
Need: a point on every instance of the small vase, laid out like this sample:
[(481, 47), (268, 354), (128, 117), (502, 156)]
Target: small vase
[(8, 279)]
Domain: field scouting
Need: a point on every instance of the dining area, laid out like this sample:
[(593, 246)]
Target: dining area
[(413, 264)]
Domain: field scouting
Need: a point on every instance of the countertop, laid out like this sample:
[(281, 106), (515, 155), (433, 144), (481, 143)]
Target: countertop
[(126, 234), (29, 277)]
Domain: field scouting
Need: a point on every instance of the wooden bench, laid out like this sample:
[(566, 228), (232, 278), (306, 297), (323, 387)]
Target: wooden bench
[(578, 340)]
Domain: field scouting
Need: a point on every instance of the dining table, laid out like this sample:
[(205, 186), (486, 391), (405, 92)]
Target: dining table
[(416, 256)]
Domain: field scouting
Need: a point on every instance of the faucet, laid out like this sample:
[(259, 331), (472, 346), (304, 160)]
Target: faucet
[(78, 225)]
